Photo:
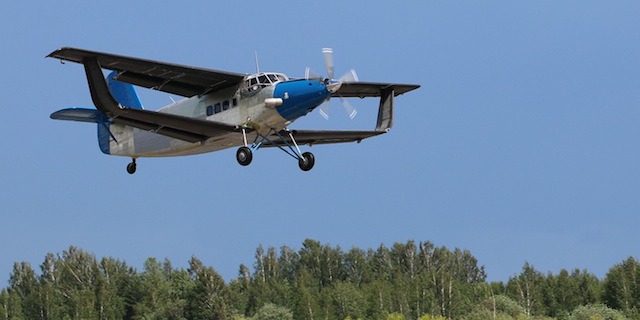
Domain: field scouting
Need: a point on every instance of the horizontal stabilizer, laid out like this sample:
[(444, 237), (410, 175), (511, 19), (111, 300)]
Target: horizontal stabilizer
[(78, 114)]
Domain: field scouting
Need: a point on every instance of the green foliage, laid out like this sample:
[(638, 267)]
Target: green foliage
[(430, 317), (395, 316), (596, 312), (272, 312)]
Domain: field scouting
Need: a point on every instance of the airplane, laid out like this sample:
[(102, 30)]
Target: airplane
[(220, 109)]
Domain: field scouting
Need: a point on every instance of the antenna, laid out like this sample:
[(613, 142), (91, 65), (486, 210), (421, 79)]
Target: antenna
[(255, 53)]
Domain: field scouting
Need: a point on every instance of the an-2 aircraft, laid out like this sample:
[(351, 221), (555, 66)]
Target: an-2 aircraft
[(220, 109)]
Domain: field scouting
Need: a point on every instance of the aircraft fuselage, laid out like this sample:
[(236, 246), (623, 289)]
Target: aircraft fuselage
[(263, 106)]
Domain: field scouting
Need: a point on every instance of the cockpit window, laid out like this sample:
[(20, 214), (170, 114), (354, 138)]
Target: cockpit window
[(257, 81)]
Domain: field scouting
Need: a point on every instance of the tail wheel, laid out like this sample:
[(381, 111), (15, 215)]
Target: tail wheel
[(244, 156), (131, 167), (307, 161)]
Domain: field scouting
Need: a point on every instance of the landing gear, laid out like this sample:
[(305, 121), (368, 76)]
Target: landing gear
[(131, 167), (307, 161), (244, 156)]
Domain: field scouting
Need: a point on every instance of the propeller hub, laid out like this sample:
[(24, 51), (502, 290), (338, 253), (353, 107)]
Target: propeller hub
[(334, 87)]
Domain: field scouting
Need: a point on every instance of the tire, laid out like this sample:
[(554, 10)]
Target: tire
[(307, 161), (131, 168), (244, 156)]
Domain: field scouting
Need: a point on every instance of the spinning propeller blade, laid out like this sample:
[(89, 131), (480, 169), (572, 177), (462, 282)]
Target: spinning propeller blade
[(333, 85), (328, 61), (351, 111), (350, 76), (310, 74)]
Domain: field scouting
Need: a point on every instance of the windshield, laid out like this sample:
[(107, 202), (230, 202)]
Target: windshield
[(257, 81)]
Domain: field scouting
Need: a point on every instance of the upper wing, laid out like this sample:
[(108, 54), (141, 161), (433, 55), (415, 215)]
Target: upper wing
[(311, 137), (173, 78), (171, 125), (372, 89)]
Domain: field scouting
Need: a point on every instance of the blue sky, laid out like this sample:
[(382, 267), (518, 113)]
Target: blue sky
[(521, 145)]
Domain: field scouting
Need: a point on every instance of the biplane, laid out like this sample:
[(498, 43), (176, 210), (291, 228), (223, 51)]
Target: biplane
[(220, 109)]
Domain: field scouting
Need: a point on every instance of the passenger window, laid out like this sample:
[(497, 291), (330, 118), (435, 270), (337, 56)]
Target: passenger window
[(235, 102), (217, 108), (209, 110), (225, 105)]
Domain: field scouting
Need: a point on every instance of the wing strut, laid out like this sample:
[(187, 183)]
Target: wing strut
[(385, 110), (100, 95)]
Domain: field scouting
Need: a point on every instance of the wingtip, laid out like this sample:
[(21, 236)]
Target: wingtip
[(54, 52)]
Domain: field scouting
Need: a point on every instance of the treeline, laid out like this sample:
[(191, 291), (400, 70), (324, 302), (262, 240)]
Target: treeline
[(406, 281)]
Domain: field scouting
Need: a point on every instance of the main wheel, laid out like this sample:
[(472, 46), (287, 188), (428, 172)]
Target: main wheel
[(244, 156), (131, 167), (307, 161)]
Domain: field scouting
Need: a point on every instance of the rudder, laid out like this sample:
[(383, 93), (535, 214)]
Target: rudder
[(124, 93)]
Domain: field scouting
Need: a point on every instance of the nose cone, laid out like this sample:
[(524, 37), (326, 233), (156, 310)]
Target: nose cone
[(299, 97)]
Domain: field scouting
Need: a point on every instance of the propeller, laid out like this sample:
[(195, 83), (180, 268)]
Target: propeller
[(333, 85)]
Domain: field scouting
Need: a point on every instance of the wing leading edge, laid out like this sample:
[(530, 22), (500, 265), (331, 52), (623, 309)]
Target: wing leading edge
[(177, 79)]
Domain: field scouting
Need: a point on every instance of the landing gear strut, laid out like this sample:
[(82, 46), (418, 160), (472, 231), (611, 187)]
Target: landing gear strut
[(131, 167)]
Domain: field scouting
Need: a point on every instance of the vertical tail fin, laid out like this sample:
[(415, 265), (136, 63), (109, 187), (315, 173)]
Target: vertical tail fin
[(124, 93)]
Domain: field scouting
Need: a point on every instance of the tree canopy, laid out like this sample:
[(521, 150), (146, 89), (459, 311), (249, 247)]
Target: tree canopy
[(412, 280)]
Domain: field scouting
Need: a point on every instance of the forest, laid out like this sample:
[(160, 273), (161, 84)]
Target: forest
[(412, 280)]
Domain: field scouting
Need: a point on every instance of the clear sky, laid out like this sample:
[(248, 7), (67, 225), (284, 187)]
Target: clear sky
[(521, 145)]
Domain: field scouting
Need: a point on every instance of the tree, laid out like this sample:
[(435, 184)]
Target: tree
[(10, 305), (111, 287), (207, 298), (155, 291), (50, 298), (622, 286), (78, 273), (526, 289), (356, 268), (24, 288), (347, 300), (564, 292)]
